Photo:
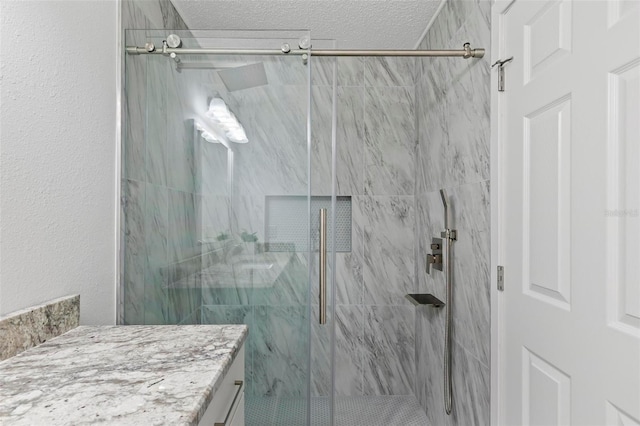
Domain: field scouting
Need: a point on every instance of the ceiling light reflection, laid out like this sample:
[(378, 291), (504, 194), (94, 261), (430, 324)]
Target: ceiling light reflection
[(220, 114)]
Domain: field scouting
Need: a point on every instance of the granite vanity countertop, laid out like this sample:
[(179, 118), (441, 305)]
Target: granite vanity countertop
[(120, 375)]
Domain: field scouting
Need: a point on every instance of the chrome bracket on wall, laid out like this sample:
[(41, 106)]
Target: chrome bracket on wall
[(450, 234), (500, 63)]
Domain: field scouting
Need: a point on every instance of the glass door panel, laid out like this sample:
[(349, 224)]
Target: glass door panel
[(216, 222)]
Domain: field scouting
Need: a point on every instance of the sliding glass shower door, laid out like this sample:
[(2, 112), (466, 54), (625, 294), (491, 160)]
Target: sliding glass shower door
[(222, 189)]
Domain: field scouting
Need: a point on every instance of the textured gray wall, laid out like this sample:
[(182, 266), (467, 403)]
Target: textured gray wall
[(58, 114)]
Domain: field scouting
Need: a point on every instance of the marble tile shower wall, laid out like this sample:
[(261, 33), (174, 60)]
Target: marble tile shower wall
[(375, 166), (173, 199), (453, 152), (272, 302), (160, 196), (376, 151)]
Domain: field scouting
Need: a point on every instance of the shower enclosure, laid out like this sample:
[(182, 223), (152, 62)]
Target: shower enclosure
[(246, 199)]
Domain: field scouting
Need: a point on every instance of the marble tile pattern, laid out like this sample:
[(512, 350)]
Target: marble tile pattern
[(349, 360), (389, 350), (349, 71), (180, 138), (222, 315), (471, 378), (375, 165), (119, 375), (156, 240), (156, 160), (471, 271), (177, 196), (30, 327), (388, 269), (275, 162), (212, 169), (280, 365), (151, 14), (453, 118), (389, 72), (453, 112), (349, 140), (134, 105), (159, 171), (135, 261), (389, 217), (389, 141)]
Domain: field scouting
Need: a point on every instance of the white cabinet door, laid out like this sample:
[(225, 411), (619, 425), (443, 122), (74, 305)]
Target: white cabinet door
[(569, 191), (224, 403)]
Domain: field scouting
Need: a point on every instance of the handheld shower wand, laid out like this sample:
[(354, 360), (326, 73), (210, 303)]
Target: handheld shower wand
[(448, 236)]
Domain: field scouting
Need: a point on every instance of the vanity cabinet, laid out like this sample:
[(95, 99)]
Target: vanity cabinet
[(227, 405)]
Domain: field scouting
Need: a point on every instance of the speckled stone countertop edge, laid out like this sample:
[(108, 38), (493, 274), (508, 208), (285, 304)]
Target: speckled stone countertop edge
[(206, 399), (27, 328)]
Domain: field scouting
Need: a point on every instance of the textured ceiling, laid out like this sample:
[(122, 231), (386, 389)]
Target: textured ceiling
[(354, 24)]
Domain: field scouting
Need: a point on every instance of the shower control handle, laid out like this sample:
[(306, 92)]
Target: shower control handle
[(430, 260), (433, 259)]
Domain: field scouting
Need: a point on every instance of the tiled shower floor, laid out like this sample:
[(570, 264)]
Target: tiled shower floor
[(350, 411)]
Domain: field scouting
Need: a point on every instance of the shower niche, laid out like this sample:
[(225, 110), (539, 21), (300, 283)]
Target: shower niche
[(286, 223)]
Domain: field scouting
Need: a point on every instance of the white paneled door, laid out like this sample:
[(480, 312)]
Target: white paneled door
[(568, 137)]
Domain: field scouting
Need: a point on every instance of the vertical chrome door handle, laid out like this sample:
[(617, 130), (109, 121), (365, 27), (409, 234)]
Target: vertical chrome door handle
[(323, 266)]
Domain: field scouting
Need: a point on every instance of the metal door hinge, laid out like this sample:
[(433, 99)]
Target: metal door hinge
[(500, 63), (500, 278)]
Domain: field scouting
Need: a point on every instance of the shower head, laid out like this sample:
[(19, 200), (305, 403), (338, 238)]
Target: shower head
[(445, 199), (243, 77), (445, 202)]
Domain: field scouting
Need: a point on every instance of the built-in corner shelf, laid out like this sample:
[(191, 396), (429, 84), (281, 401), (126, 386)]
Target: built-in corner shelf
[(425, 299)]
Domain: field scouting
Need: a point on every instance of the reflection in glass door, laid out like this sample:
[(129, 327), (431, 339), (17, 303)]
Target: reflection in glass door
[(217, 216)]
